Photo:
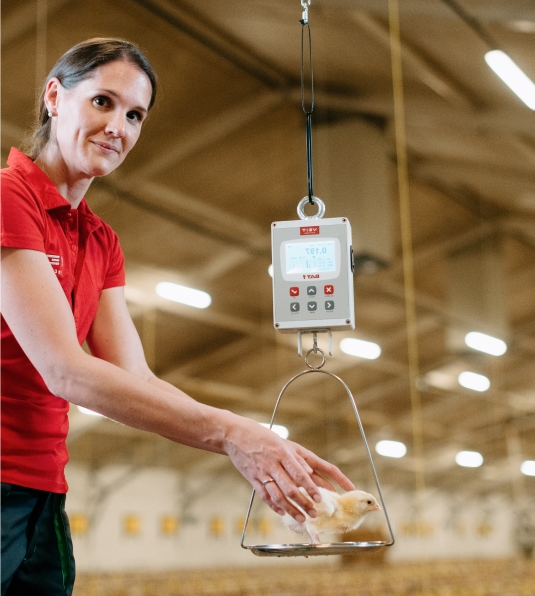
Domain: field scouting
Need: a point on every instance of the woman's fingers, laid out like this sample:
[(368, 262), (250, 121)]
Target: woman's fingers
[(322, 482), (273, 495), (280, 487), (279, 470), (303, 470), (323, 468)]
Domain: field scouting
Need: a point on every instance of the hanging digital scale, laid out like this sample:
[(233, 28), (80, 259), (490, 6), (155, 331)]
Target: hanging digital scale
[(313, 292), (312, 273)]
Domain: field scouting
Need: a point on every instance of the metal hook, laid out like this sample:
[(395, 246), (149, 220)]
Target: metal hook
[(315, 348), (304, 17)]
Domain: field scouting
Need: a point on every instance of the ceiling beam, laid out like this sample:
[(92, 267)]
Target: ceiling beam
[(193, 214), (205, 135), (492, 12), (428, 73), (207, 32)]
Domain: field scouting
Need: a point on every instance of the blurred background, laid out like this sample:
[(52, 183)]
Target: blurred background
[(443, 220)]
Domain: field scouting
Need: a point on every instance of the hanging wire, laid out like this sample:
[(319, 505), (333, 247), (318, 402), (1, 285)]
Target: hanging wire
[(310, 108), (408, 260)]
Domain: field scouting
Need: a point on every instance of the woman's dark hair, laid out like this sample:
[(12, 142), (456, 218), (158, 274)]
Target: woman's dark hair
[(78, 64)]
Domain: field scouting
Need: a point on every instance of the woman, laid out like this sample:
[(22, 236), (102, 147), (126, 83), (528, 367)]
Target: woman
[(62, 284)]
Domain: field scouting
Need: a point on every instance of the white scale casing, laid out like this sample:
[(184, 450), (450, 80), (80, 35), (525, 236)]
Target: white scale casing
[(312, 275)]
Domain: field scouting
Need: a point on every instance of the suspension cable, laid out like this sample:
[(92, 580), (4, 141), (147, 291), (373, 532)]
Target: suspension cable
[(307, 109)]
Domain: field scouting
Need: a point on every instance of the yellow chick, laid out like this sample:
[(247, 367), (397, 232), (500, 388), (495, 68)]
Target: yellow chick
[(336, 513)]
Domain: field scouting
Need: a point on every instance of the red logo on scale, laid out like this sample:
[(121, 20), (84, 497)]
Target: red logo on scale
[(309, 231)]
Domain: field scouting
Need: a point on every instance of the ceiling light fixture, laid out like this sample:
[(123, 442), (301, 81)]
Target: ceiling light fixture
[(474, 381), (498, 60), (512, 76), (469, 459), (183, 294), (528, 468), (524, 26), (360, 348), (391, 449), (485, 343), (278, 429)]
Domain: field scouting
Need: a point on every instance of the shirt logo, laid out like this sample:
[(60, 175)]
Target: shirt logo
[(56, 261)]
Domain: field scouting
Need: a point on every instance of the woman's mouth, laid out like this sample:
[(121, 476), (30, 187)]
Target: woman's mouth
[(106, 147)]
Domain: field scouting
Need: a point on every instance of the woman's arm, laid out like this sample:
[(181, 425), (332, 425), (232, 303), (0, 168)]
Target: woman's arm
[(116, 382)]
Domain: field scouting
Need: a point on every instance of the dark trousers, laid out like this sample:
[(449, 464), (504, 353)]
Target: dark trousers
[(37, 558)]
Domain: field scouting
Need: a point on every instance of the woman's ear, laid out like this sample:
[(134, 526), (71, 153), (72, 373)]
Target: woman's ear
[(51, 96)]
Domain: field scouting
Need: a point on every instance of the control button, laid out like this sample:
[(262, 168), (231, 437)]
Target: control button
[(294, 306), (328, 289), (294, 291), (311, 290), (312, 306), (329, 304)]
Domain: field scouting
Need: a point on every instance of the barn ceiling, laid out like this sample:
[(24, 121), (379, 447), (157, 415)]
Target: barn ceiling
[(223, 155)]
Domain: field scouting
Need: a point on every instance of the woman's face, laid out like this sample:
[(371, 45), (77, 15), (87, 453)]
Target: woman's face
[(98, 121)]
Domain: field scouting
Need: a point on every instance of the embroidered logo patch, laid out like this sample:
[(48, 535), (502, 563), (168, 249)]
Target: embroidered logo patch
[(56, 261)]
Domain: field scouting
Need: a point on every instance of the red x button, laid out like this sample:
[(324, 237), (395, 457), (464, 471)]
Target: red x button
[(294, 291), (328, 289)]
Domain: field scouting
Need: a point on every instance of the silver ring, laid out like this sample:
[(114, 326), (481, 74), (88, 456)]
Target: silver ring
[(323, 358), (301, 208), (267, 481)]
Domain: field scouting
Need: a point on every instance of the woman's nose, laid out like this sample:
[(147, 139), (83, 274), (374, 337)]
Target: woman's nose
[(116, 125)]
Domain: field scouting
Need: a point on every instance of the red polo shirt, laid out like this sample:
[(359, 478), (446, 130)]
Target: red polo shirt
[(85, 255)]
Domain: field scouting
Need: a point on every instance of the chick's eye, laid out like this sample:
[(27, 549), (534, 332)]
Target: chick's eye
[(369, 502)]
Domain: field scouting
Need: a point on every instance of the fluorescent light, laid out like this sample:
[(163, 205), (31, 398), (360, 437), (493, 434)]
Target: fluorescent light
[(278, 429), (469, 459), (512, 76), (184, 295), (391, 448), (524, 26), (528, 468), (88, 411), (485, 343), (270, 270), (441, 379), (360, 348), (473, 381)]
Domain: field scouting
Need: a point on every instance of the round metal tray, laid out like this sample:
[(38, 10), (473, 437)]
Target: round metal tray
[(310, 550)]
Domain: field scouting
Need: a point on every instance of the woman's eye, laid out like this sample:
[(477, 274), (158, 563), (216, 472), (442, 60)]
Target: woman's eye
[(101, 101), (134, 116)]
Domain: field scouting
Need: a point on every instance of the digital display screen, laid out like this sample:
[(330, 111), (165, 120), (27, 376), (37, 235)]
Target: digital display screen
[(314, 256)]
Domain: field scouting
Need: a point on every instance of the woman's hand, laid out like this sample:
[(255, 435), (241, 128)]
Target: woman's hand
[(259, 455)]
